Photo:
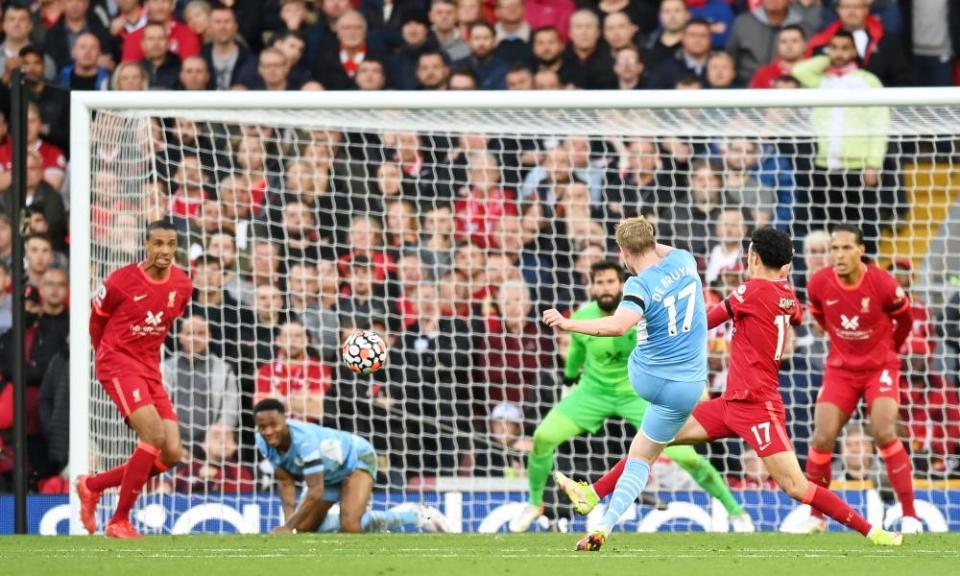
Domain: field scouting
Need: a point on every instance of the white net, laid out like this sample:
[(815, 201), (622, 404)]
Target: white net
[(448, 232)]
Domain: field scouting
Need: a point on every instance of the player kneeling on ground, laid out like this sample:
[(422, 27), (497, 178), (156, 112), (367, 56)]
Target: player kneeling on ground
[(336, 467)]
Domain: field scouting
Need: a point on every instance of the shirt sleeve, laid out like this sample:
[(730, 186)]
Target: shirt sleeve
[(311, 455), (107, 298), (737, 302), (635, 296), (262, 446), (813, 295), (894, 297)]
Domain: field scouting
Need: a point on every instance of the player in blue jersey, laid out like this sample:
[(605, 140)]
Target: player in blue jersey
[(336, 467), (668, 368)]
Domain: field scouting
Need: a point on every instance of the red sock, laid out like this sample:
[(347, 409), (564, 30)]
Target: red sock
[(134, 477), (111, 478), (608, 481), (819, 471), (900, 473), (819, 498)]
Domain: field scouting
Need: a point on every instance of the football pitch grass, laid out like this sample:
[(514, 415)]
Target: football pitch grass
[(699, 554)]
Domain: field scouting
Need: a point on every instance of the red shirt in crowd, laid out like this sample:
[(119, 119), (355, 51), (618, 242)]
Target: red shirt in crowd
[(183, 42), (52, 159), (284, 379), (765, 76), (477, 217)]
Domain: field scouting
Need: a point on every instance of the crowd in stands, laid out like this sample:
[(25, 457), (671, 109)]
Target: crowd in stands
[(448, 244)]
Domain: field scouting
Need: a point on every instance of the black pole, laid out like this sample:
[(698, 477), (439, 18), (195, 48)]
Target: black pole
[(18, 125)]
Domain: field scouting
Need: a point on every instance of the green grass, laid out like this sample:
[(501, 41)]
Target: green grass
[(464, 555)]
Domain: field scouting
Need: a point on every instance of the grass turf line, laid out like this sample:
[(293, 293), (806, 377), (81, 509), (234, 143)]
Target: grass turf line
[(466, 555)]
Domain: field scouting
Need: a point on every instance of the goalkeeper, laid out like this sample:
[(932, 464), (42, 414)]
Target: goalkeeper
[(604, 391)]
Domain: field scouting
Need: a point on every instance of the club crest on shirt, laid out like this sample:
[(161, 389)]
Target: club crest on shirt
[(741, 290), (171, 298), (865, 304)]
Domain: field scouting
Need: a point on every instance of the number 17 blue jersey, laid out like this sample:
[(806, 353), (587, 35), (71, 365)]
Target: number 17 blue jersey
[(672, 334)]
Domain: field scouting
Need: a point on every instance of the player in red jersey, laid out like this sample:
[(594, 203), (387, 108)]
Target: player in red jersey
[(132, 314), (867, 315), (762, 309)]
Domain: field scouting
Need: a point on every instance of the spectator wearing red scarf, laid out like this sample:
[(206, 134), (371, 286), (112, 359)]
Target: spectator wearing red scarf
[(484, 202)]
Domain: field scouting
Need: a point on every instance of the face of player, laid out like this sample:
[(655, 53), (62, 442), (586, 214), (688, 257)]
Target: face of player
[(161, 248), (607, 290), (272, 425), (845, 253)]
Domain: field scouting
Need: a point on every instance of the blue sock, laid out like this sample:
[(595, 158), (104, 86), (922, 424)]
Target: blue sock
[(378, 521), (629, 487)]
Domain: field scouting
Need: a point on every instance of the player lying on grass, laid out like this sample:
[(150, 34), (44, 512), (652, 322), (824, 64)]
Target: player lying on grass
[(132, 313), (867, 315), (762, 310), (668, 365), (603, 390), (336, 467)]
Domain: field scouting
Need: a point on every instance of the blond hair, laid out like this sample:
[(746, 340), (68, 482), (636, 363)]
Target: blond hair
[(636, 235)]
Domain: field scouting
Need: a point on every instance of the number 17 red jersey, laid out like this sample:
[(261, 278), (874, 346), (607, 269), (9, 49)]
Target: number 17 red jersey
[(762, 312)]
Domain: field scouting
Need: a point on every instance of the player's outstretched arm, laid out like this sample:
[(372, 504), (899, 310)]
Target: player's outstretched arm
[(616, 325), (718, 315), (288, 493), (307, 516)]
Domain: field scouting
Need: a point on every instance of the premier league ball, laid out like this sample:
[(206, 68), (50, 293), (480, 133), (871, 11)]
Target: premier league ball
[(364, 352)]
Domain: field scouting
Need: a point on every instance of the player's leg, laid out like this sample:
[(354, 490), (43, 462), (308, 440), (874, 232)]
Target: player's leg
[(882, 400), (837, 400), (785, 470), (151, 434), (354, 499)]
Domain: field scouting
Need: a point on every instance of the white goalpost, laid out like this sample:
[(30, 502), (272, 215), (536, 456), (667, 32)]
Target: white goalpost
[(448, 221)]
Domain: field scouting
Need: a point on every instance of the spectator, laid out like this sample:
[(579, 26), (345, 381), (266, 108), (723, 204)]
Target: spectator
[(129, 76), (433, 70), (222, 245), (197, 16), (194, 74), (689, 60), (53, 102), (129, 18), (365, 302), (273, 72), (17, 27), (858, 462), (217, 471), (548, 49), (721, 72), (162, 66), (298, 19), (934, 41), (292, 45), (547, 80), (416, 40), (266, 263), (365, 239), (512, 32), (880, 52), (665, 42), (728, 250), (469, 12), (753, 42), (923, 334), (236, 201), (483, 202), (260, 327), (77, 19), (53, 409), (180, 39), (303, 288), (232, 64), (6, 298), (742, 175), (550, 13), (505, 450), (629, 67), (519, 77), (402, 228), (6, 239), (719, 14), (489, 69), (370, 75), (791, 47), (930, 411), (190, 193), (587, 64), (337, 65), (543, 182), (691, 224), (443, 24), (202, 386), (848, 168), (85, 72), (298, 234), (619, 31), (643, 186), (754, 475), (218, 307)]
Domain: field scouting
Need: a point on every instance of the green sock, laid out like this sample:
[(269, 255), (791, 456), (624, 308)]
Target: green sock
[(553, 431), (706, 476)]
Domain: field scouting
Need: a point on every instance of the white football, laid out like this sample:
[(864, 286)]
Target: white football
[(364, 352)]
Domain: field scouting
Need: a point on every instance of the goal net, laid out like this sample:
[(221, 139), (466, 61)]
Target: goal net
[(448, 225)]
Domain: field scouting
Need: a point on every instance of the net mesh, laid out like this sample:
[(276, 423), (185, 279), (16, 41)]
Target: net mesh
[(449, 231)]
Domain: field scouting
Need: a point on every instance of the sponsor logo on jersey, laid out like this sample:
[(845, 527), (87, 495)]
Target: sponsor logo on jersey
[(154, 319), (852, 323)]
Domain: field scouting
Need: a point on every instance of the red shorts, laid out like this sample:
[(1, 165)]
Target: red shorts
[(761, 424), (132, 392), (845, 388)]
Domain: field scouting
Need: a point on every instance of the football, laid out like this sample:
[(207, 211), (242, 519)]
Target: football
[(364, 352)]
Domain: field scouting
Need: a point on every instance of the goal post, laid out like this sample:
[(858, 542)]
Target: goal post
[(430, 422)]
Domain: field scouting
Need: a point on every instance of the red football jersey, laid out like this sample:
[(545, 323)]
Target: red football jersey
[(762, 313), (140, 312), (858, 318)]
